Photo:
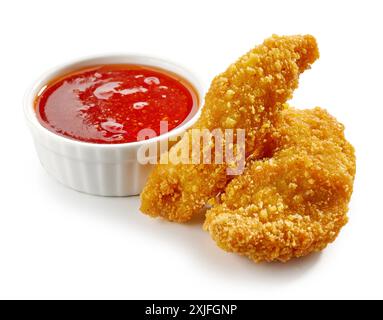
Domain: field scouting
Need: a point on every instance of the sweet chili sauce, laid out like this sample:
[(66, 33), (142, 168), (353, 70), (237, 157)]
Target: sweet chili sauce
[(111, 103)]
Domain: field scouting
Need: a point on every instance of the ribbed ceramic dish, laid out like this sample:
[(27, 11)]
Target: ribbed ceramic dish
[(101, 169)]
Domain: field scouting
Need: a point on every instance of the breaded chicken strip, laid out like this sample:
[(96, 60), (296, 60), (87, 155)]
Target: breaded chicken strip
[(296, 201), (248, 95)]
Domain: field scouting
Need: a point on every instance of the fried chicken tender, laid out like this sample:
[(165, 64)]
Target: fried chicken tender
[(248, 95), (294, 202)]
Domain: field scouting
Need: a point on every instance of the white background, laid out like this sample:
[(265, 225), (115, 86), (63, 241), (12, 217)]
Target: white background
[(58, 243)]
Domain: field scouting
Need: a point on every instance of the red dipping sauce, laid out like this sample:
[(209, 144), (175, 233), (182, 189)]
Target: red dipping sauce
[(112, 103)]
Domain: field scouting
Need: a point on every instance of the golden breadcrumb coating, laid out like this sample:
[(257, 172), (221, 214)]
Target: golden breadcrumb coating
[(294, 202), (248, 95)]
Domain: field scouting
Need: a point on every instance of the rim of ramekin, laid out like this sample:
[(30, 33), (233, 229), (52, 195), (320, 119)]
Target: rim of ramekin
[(152, 61)]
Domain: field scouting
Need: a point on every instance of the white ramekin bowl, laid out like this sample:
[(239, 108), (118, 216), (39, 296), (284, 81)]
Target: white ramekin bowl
[(101, 169)]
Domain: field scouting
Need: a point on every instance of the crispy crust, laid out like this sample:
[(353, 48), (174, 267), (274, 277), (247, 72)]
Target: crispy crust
[(248, 95), (296, 201)]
